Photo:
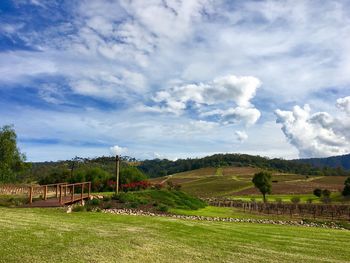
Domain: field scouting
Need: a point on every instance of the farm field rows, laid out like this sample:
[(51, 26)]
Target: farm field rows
[(236, 181), (51, 235)]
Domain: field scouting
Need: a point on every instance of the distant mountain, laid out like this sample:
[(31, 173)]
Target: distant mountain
[(342, 161)]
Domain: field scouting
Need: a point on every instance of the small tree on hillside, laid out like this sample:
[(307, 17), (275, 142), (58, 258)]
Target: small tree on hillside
[(318, 192), (262, 181), (346, 190)]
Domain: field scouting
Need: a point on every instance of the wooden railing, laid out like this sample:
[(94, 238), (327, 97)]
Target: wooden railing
[(60, 190), (72, 188)]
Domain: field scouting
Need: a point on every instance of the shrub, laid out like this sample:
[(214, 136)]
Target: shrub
[(158, 186), (135, 186), (107, 198), (177, 187), (107, 205), (78, 208), (170, 185), (295, 200), (163, 208), (318, 192), (93, 202)]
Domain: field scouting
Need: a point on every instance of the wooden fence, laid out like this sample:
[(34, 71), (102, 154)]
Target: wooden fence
[(63, 192), (329, 211)]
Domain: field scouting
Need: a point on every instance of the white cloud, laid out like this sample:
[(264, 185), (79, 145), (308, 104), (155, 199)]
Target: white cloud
[(117, 150), (221, 91), (318, 134), (344, 104), (241, 136)]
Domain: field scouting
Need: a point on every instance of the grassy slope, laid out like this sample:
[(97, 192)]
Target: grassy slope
[(236, 181), (50, 235), (174, 199)]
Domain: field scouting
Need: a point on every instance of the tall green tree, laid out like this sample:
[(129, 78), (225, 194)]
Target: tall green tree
[(262, 181), (12, 161), (346, 190)]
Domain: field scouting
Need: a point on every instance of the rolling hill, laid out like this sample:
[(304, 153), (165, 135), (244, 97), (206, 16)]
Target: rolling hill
[(236, 181)]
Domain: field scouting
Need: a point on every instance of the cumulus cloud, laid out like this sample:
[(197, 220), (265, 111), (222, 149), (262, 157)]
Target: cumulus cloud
[(227, 90), (344, 104), (316, 134), (241, 136), (117, 150)]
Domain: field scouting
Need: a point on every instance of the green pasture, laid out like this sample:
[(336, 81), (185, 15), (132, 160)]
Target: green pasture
[(51, 235)]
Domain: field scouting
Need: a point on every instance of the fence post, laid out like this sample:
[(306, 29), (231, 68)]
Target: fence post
[(65, 190), (72, 199), (81, 194), (61, 201), (45, 192), (57, 191), (30, 194), (89, 190)]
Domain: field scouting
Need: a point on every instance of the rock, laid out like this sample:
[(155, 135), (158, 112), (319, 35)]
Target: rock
[(69, 209)]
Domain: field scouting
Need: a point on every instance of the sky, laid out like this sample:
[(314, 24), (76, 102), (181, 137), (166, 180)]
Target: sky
[(176, 79)]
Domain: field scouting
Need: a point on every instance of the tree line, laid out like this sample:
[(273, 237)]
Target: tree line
[(158, 167)]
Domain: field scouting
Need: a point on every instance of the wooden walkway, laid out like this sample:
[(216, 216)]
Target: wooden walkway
[(54, 202), (61, 194)]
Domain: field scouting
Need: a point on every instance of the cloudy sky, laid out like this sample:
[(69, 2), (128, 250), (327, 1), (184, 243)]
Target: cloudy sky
[(174, 79)]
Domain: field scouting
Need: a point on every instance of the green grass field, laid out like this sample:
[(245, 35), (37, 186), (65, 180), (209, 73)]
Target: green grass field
[(51, 235)]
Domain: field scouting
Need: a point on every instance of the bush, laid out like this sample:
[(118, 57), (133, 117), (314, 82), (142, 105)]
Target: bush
[(158, 186), (93, 202), (318, 192), (106, 198), (163, 208), (177, 187), (78, 208), (170, 185), (107, 205), (135, 186)]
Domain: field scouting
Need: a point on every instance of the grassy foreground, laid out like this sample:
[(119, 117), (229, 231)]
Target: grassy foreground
[(50, 235)]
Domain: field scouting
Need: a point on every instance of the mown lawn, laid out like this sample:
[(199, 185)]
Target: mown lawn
[(50, 235)]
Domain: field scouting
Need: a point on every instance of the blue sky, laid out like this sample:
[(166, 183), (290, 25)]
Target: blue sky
[(176, 79)]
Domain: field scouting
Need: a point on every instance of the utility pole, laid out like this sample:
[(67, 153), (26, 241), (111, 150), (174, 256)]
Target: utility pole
[(117, 173)]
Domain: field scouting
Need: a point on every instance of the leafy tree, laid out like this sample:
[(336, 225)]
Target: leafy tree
[(346, 190), (318, 192), (129, 174), (262, 181), (12, 161)]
